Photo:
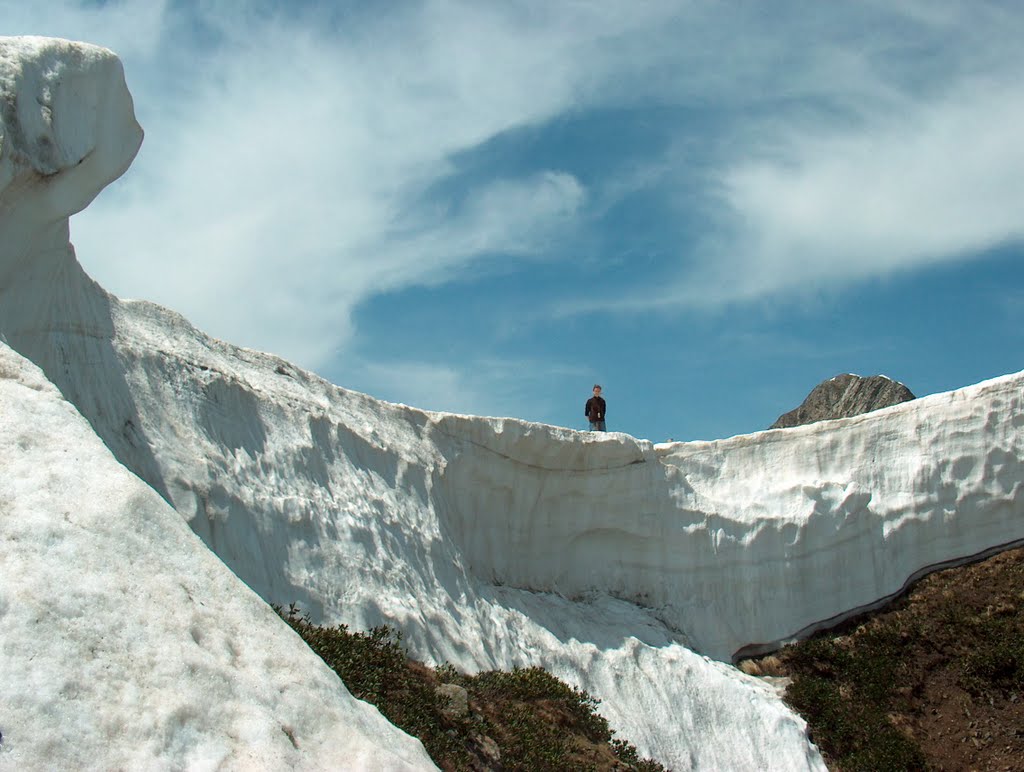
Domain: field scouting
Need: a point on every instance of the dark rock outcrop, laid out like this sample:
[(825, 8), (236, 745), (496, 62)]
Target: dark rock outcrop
[(844, 396)]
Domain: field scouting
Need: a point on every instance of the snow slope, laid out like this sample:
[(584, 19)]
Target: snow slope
[(125, 644), (496, 542)]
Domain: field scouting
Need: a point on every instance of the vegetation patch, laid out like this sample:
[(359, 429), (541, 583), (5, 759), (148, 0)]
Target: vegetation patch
[(846, 693), (525, 719), (934, 682)]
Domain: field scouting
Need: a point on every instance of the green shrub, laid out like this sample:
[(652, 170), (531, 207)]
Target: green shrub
[(539, 722), (854, 730), (374, 667), (889, 751), (535, 684), (1000, 664)]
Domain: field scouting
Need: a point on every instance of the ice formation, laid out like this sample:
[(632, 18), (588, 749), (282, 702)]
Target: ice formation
[(633, 570)]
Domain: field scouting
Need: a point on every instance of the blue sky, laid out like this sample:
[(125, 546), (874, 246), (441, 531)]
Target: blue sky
[(708, 207)]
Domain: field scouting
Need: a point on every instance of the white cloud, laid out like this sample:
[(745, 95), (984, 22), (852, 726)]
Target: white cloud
[(291, 149), (942, 181), (513, 217), (856, 144), (283, 183)]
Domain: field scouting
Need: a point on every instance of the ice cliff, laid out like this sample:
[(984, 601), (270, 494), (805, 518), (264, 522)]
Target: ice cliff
[(633, 570)]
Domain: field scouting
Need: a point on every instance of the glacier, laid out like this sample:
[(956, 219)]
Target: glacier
[(636, 571)]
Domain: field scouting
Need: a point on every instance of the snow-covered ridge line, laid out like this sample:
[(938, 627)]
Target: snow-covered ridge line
[(742, 543), (747, 545)]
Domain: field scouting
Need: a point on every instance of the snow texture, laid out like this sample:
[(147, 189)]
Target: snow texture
[(125, 644), (632, 570)]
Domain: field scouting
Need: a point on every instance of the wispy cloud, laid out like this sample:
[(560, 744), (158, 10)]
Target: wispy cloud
[(294, 150), (282, 182), (941, 181), (860, 143)]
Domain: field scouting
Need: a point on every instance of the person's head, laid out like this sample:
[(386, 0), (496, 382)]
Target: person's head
[(597, 389)]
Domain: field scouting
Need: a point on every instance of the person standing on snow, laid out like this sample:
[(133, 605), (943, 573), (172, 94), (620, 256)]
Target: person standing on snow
[(595, 410)]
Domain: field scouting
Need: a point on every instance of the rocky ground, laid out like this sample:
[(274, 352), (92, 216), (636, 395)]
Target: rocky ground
[(935, 681)]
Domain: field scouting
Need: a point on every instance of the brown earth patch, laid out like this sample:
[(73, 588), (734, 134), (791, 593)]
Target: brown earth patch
[(935, 681)]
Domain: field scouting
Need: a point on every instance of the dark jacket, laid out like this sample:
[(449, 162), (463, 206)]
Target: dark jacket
[(595, 409)]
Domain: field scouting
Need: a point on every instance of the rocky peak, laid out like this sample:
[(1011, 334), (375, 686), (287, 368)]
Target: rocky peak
[(844, 396)]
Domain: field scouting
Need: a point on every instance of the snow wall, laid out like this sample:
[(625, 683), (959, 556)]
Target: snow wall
[(626, 568)]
